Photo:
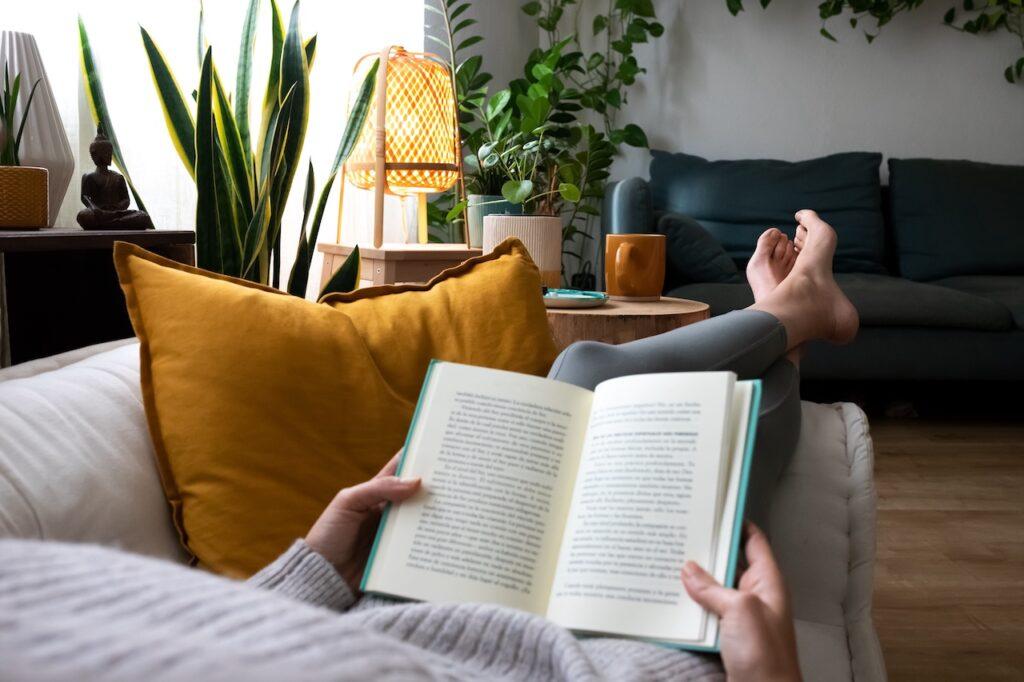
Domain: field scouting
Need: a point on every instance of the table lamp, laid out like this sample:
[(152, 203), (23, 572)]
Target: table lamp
[(410, 143), (409, 146)]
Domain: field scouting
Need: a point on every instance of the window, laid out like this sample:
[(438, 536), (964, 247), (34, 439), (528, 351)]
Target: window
[(346, 30)]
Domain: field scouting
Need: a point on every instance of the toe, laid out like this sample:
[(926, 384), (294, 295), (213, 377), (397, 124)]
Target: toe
[(781, 247), (768, 240), (769, 235), (810, 220)]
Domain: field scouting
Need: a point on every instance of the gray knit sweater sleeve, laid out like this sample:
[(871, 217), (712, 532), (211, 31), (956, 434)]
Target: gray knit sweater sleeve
[(304, 575), (80, 612)]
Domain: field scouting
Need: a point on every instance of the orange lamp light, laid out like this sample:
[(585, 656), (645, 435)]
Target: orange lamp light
[(410, 144)]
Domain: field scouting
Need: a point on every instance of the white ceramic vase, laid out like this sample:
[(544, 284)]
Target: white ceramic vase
[(44, 143), (541, 235)]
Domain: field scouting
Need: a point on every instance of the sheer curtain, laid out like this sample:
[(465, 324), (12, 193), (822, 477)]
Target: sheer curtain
[(346, 30)]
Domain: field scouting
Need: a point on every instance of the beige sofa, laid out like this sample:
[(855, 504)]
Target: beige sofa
[(76, 464)]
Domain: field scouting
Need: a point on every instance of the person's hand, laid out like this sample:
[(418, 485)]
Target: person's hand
[(756, 626), (344, 532)]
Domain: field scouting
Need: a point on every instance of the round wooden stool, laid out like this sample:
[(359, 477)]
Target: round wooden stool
[(622, 321)]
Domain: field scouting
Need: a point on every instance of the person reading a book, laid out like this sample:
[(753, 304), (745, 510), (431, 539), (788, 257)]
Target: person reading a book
[(633, 459)]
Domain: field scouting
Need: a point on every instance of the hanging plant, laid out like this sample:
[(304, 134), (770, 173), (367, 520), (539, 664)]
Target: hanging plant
[(985, 16)]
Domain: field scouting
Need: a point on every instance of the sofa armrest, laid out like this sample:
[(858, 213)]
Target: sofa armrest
[(627, 207)]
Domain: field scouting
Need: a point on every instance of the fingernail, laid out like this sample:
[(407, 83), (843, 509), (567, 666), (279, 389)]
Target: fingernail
[(690, 568), (409, 480)]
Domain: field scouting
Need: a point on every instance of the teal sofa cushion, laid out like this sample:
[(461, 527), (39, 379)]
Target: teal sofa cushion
[(957, 218), (882, 301), (693, 255), (735, 201), (1008, 291)]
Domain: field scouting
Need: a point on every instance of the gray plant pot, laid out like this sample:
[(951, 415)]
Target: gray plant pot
[(476, 213)]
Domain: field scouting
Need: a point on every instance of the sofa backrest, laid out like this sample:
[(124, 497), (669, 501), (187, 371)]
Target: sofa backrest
[(953, 218), (736, 200)]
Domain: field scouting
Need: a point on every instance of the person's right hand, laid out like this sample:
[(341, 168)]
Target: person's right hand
[(756, 634)]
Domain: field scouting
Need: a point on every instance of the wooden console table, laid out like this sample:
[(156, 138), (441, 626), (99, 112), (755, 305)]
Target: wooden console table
[(622, 321), (59, 290)]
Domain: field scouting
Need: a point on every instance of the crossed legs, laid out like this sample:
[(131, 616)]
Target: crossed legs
[(796, 300)]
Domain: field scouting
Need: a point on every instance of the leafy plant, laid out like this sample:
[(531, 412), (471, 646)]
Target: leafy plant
[(523, 144), (993, 15), (554, 164), (600, 81), (10, 145), (470, 86), (242, 189), (987, 16)]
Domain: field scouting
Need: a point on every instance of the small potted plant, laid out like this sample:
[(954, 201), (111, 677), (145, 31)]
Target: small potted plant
[(551, 166), (23, 190)]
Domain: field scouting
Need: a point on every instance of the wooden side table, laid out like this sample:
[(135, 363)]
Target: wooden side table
[(621, 321), (59, 290), (393, 263)]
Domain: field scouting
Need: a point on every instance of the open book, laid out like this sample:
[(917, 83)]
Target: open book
[(581, 506)]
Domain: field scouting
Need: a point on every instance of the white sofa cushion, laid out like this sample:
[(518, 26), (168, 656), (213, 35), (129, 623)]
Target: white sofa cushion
[(76, 461), (823, 535)]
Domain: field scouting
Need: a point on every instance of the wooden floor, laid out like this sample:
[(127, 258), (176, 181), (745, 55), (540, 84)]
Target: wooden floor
[(949, 581)]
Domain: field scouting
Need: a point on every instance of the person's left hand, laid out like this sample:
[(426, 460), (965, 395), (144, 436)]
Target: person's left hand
[(345, 530)]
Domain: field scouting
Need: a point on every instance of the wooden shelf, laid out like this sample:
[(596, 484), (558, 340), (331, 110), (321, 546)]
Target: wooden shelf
[(77, 239)]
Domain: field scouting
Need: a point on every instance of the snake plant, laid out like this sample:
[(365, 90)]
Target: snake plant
[(242, 184), (10, 142)]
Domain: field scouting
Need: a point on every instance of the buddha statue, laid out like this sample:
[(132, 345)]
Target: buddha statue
[(105, 194)]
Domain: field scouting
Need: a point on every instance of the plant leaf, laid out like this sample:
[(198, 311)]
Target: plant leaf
[(294, 77), (346, 278), (272, 97), (569, 192), (176, 112), (24, 117), (309, 47), (516, 191), (243, 78), (356, 117), (457, 210), (231, 146), (208, 254)]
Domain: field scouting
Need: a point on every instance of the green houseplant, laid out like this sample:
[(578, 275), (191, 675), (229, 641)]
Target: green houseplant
[(984, 16), (552, 165), (567, 87), (23, 190), (243, 177)]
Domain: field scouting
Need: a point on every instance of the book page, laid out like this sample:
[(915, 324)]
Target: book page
[(645, 501), (728, 530), (498, 453)]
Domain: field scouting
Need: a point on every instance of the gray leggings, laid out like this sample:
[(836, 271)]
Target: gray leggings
[(748, 342)]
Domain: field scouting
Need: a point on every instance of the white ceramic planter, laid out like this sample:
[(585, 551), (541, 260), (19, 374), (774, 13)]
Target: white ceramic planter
[(541, 235), (44, 142)]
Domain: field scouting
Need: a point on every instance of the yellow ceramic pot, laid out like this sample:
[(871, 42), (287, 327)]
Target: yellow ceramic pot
[(23, 198)]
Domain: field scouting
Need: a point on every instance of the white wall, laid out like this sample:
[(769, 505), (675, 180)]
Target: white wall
[(509, 36), (766, 84)]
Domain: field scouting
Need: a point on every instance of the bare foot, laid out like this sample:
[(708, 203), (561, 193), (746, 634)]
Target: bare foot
[(772, 260), (808, 301)]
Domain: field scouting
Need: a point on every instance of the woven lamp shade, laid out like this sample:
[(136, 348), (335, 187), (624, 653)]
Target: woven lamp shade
[(421, 144)]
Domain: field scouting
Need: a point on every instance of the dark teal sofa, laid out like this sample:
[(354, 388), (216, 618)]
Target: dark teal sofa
[(934, 262)]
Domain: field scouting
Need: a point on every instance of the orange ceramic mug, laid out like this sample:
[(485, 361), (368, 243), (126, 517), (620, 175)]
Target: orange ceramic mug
[(634, 266)]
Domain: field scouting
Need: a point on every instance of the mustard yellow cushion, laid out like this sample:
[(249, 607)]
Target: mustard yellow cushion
[(262, 406)]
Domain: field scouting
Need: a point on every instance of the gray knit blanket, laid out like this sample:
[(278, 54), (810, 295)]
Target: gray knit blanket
[(80, 612)]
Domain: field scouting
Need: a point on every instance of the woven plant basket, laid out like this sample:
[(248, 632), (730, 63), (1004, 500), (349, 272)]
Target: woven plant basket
[(23, 198)]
